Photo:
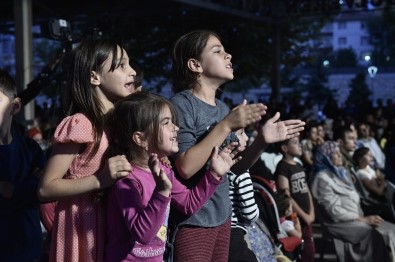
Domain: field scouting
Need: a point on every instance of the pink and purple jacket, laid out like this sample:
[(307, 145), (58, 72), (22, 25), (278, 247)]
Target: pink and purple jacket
[(137, 214)]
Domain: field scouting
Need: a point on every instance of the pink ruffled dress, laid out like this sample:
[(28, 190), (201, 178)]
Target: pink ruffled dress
[(78, 231)]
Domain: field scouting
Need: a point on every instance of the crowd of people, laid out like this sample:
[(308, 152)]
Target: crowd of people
[(133, 176)]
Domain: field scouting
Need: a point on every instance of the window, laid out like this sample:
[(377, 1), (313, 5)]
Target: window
[(342, 41), (342, 25)]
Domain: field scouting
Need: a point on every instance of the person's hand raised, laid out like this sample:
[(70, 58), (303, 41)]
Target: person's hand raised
[(163, 184), (222, 160), (275, 131), (243, 115)]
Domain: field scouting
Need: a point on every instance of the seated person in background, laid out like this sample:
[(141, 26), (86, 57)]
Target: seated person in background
[(389, 150), (347, 139), (310, 141), (366, 140), (372, 180), (291, 177), (356, 237), (290, 225)]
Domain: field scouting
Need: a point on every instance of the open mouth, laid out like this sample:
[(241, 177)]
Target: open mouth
[(129, 86)]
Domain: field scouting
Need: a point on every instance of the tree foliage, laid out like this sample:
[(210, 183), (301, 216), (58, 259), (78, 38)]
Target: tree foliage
[(359, 92), (149, 38), (150, 41), (382, 37), (344, 58)]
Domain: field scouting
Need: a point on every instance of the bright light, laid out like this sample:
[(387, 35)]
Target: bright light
[(367, 58), (372, 70), (325, 63)]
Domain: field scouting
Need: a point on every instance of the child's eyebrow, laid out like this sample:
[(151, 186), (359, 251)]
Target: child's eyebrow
[(165, 118), (122, 59), (214, 46)]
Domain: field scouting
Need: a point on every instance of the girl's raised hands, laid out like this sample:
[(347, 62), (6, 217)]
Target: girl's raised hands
[(244, 114), (222, 161), (163, 184), (275, 131)]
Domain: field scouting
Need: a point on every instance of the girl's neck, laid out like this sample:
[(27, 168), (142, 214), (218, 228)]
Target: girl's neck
[(5, 137), (289, 160), (107, 104), (141, 163), (205, 93), (363, 166)]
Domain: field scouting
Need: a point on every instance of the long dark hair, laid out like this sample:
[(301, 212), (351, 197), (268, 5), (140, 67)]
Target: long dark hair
[(7, 84), (138, 112), (90, 55), (188, 46)]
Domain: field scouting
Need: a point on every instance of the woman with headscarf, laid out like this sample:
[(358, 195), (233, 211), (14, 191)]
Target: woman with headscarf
[(356, 237)]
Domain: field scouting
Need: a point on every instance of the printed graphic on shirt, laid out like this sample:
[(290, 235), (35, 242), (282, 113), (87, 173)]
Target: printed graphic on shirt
[(298, 183), (157, 245), (145, 251)]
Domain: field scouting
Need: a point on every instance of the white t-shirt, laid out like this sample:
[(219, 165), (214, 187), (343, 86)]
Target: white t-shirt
[(285, 227), (367, 172)]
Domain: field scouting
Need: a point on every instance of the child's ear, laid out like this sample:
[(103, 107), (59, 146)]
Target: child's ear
[(95, 78), (194, 65), (284, 148), (16, 105), (139, 139)]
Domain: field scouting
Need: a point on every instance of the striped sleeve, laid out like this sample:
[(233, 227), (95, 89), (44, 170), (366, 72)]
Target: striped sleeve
[(244, 208)]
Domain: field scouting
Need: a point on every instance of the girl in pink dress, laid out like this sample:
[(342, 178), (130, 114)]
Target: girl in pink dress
[(100, 75)]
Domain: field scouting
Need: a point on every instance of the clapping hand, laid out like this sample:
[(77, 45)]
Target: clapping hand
[(275, 131), (244, 114), (163, 184), (222, 161)]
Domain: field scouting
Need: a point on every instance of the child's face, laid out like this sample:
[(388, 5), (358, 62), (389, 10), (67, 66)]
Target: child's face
[(321, 131), (313, 135), (367, 159), (215, 62), (289, 210), (293, 147), (168, 144), (6, 114), (118, 83), (243, 138)]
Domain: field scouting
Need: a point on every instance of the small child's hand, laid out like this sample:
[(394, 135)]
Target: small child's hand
[(115, 168), (221, 162), (163, 184), (273, 131)]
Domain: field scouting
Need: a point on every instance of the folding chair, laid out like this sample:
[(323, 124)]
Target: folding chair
[(268, 212)]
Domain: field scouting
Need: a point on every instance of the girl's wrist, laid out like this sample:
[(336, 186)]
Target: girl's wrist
[(214, 174), (164, 192), (225, 127)]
